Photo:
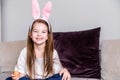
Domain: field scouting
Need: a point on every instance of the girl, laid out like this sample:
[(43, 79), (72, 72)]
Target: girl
[(39, 60)]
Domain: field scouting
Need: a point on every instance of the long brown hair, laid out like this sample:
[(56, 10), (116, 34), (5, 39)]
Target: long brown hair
[(48, 54)]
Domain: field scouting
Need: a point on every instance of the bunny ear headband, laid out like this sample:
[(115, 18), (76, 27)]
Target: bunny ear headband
[(45, 12)]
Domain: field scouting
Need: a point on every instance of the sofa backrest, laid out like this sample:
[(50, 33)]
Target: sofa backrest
[(9, 52)]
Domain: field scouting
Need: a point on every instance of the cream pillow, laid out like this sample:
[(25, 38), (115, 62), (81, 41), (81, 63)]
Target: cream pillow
[(110, 60)]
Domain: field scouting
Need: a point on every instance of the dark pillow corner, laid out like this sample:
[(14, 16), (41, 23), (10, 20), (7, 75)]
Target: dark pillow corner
[(79, 52)]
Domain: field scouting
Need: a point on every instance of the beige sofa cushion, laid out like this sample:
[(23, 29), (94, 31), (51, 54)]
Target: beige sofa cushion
[(110, 60), (9, 52)]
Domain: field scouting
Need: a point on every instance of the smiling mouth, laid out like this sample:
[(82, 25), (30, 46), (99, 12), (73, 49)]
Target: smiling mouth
[(39, 38)]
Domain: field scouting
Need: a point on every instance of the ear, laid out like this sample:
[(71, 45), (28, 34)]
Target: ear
[(35, 9), (30, 34), (47, 10)]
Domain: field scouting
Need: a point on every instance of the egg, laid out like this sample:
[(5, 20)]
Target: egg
[(16, 73)]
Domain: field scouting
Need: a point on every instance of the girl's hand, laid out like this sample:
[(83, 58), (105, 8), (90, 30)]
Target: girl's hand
[(65, 73), (15, 75)]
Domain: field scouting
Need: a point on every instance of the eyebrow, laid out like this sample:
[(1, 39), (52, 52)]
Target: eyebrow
[(42, 30)]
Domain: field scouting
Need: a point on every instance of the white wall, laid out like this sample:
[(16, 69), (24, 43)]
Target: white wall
[(67, 15)]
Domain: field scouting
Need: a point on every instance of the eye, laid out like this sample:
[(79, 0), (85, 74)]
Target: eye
[(44, 31), (35, 31)]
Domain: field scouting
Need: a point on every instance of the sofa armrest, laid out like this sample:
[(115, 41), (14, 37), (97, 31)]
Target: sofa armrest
[(110, 60)]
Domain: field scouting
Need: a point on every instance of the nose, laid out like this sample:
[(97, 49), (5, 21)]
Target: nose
[(39, 34)]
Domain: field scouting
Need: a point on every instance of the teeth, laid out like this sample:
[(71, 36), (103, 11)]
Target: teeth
[(39, 38)]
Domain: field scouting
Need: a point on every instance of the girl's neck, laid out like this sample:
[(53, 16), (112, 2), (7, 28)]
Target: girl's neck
[(39, 50)]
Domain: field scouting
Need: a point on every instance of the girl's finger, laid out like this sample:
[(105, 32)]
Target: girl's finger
[(64, 77), (60, 73)]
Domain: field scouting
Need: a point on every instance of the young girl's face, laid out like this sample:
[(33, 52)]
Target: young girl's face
[(39, 33)]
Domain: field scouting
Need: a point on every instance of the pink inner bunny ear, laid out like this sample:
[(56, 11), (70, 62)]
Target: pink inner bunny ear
[(35, 9), (47, 10)]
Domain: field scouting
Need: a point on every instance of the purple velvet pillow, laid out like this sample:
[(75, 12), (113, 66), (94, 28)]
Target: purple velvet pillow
[(79, 52)]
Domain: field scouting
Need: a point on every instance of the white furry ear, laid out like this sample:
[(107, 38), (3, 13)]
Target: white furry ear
[(47, 10), (35, 9)]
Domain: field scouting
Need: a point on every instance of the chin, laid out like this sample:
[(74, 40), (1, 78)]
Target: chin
[(39, 43)]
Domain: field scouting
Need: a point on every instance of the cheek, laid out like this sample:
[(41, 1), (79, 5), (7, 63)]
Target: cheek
[(46, 36), (32, 35)]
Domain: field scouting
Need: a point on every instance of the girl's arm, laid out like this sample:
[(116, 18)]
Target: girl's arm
[(20, 67), (58, 66)]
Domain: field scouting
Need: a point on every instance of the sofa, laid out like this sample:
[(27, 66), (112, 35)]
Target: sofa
[(100, 63)]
